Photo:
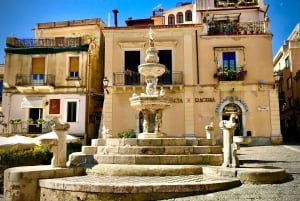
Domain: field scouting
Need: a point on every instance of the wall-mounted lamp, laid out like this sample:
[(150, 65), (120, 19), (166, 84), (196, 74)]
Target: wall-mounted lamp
[(105, 84), (1, 117)]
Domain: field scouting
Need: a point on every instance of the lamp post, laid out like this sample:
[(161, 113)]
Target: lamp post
[(105, 84)]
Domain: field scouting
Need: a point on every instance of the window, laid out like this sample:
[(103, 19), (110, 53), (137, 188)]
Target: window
[(72, 111), (179, 18), (188, 15), (287, 62), (131, 62), (38, 70), (289, 83), (165, 58), (74, 67), (229, 62), (171, 19)]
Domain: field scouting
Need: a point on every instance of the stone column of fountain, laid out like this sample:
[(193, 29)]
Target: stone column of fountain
[(152, 103), (229, 147)]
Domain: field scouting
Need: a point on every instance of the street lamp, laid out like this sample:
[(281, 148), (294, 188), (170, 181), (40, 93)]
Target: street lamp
[(105, 84)]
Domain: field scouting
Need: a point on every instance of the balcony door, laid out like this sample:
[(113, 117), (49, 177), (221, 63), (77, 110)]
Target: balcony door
[(38, 70), (35, 114)]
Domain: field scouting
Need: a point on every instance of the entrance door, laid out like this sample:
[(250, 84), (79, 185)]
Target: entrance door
[(230, 108), (35, 114)]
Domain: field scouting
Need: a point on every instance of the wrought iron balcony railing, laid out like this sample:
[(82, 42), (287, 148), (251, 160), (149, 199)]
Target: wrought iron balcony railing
[(44, 42), (134, 78), (235, 28), (35, 80)]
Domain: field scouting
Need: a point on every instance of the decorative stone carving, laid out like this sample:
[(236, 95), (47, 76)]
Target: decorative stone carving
[(209, 132)]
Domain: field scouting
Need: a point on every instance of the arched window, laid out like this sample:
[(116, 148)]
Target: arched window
[(188, 15), (171, 19), (179, 18)]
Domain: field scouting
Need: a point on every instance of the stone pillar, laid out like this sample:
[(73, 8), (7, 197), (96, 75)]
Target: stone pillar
[(60, 148), (60, 151), (229, 147)]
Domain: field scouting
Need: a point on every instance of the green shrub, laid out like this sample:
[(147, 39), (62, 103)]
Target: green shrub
[(129, 133)]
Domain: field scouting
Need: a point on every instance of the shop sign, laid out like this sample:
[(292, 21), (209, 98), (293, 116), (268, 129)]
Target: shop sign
[(205, 100)]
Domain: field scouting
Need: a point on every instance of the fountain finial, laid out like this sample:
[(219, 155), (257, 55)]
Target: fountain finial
[(151, 39)]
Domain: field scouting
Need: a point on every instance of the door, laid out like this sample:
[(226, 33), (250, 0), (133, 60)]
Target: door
[(230, 108), (38, 71), (35, 114)]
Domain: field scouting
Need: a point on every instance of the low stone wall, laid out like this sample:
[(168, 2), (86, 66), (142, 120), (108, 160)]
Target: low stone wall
[(22, 183)]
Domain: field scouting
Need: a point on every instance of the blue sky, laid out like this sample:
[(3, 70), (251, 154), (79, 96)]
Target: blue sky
[(19, 17)]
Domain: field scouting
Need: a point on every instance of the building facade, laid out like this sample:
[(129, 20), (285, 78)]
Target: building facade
[(220, 65), (58, 73), (287, 73)]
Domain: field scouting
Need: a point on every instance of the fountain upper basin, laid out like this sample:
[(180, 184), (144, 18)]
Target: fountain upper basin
[(152, 69)]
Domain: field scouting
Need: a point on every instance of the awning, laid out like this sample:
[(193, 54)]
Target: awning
[(32, 102), (226, 16)]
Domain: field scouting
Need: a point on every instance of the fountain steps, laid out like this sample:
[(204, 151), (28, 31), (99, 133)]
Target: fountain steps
[(141, 169), (162, 151)]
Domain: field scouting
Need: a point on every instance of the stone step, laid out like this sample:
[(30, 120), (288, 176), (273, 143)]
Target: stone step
[(143, 170), (189, 159), (152, 142), (151, 150), (131, 187)]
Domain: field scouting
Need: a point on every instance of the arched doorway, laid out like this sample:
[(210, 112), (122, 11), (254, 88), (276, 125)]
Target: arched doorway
[(234, 108), (233, 104)]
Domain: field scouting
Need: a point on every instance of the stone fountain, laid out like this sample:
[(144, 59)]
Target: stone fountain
[(152, 103)]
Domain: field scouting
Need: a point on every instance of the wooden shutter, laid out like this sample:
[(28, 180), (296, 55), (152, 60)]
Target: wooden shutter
[(74, 64), (38, 65)]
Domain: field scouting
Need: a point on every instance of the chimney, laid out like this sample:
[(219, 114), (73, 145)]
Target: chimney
[(116, 16)]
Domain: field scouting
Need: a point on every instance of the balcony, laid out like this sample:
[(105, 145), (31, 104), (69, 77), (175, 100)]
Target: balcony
[(43, 42), (235, 28), (231, 75), (235, 3), (128, 78), (35, 82)]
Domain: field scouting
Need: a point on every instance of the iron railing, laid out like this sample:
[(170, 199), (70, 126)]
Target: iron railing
[(134, 78), (35, 80), (44, 42), (235, 28)]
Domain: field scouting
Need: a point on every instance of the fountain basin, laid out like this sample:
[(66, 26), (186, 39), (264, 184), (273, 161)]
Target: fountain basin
[(151, 103), (152, 69)]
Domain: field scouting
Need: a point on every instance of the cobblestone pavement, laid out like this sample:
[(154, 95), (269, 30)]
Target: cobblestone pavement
[(284, 156)]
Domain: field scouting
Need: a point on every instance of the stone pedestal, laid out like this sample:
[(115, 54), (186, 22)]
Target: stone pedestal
[(209, 129)]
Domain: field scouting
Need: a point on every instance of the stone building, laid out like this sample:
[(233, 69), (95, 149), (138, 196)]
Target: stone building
[(220, 65), (287, 73), (58, 73)]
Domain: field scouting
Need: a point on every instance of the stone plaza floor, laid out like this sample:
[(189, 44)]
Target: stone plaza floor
[(284, 156)]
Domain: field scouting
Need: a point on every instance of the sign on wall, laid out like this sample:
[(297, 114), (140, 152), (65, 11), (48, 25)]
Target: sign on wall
[(54, 107)]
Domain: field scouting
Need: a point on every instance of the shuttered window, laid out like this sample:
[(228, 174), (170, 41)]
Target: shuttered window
[(73, 67)]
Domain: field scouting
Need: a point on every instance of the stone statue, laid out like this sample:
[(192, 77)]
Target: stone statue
[(158, 121), (105, 132), (209, 132), (56, 125)]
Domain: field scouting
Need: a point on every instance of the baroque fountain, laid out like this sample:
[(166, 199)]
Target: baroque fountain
[(152, 103), (150, 167)]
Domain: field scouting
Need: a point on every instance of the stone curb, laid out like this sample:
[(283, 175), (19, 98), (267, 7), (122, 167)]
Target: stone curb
[(250, 174)]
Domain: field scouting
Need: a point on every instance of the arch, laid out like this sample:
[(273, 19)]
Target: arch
[(171, 19), (188, 16), (241, 106), (179, 18)]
